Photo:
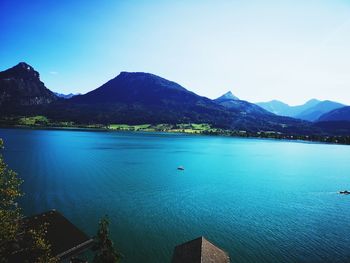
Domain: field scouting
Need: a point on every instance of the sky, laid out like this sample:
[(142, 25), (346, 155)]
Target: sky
[(260, 50)]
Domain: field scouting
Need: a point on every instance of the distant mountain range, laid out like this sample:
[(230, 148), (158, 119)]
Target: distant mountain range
[(136, 97), (318, 110), (342, 114), (228, 96), (139, 98), (66, 96), (312, 110), (229, 101)]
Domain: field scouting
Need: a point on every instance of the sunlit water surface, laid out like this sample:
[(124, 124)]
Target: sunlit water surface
[(260, 200)]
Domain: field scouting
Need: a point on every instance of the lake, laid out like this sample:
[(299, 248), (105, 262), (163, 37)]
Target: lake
[(260, 200)]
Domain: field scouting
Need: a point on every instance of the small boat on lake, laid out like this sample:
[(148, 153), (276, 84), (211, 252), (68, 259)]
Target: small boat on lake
[(181, 168), (345, 192)]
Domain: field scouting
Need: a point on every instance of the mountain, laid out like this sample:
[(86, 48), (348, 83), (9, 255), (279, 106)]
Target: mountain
[(280, 108), (66, 96), (139, 87), (310, 111), (137, 97), (341, 114), (275, 106), (315, 112), (228, 96), (229, 101), (21, 86)]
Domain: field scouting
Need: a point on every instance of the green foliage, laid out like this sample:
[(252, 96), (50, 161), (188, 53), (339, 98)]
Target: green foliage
[(104, 249), (193, 128), (33, 121), (39, 249), (9, 211), (125, 127), (12, 233)]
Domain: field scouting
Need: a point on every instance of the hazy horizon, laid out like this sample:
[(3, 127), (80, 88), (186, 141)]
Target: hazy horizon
[(261, 51)]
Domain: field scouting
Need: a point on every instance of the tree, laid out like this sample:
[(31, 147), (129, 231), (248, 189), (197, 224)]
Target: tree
[(39, 250), (10, 214), (12, 233), (103, 247)]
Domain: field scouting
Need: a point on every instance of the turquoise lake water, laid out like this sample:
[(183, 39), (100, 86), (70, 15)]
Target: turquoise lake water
[(260, 200)]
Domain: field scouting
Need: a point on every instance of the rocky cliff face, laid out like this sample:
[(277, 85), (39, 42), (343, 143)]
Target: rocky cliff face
[(21, 85)]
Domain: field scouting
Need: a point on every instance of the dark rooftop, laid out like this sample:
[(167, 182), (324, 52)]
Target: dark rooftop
[(199, 250), (66, 239)]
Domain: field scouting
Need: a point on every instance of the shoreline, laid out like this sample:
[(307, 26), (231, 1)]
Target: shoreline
[(223, 133)]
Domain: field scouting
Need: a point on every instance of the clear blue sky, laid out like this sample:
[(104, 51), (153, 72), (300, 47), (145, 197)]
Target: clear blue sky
[(260, 50)]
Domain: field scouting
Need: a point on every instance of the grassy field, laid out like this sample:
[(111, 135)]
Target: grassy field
[(193, 128), (125, 127), (33, 121), (42, 121)]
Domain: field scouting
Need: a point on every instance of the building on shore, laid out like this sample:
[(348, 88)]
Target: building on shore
[(67, 243), (65, 239), (199, 250)]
